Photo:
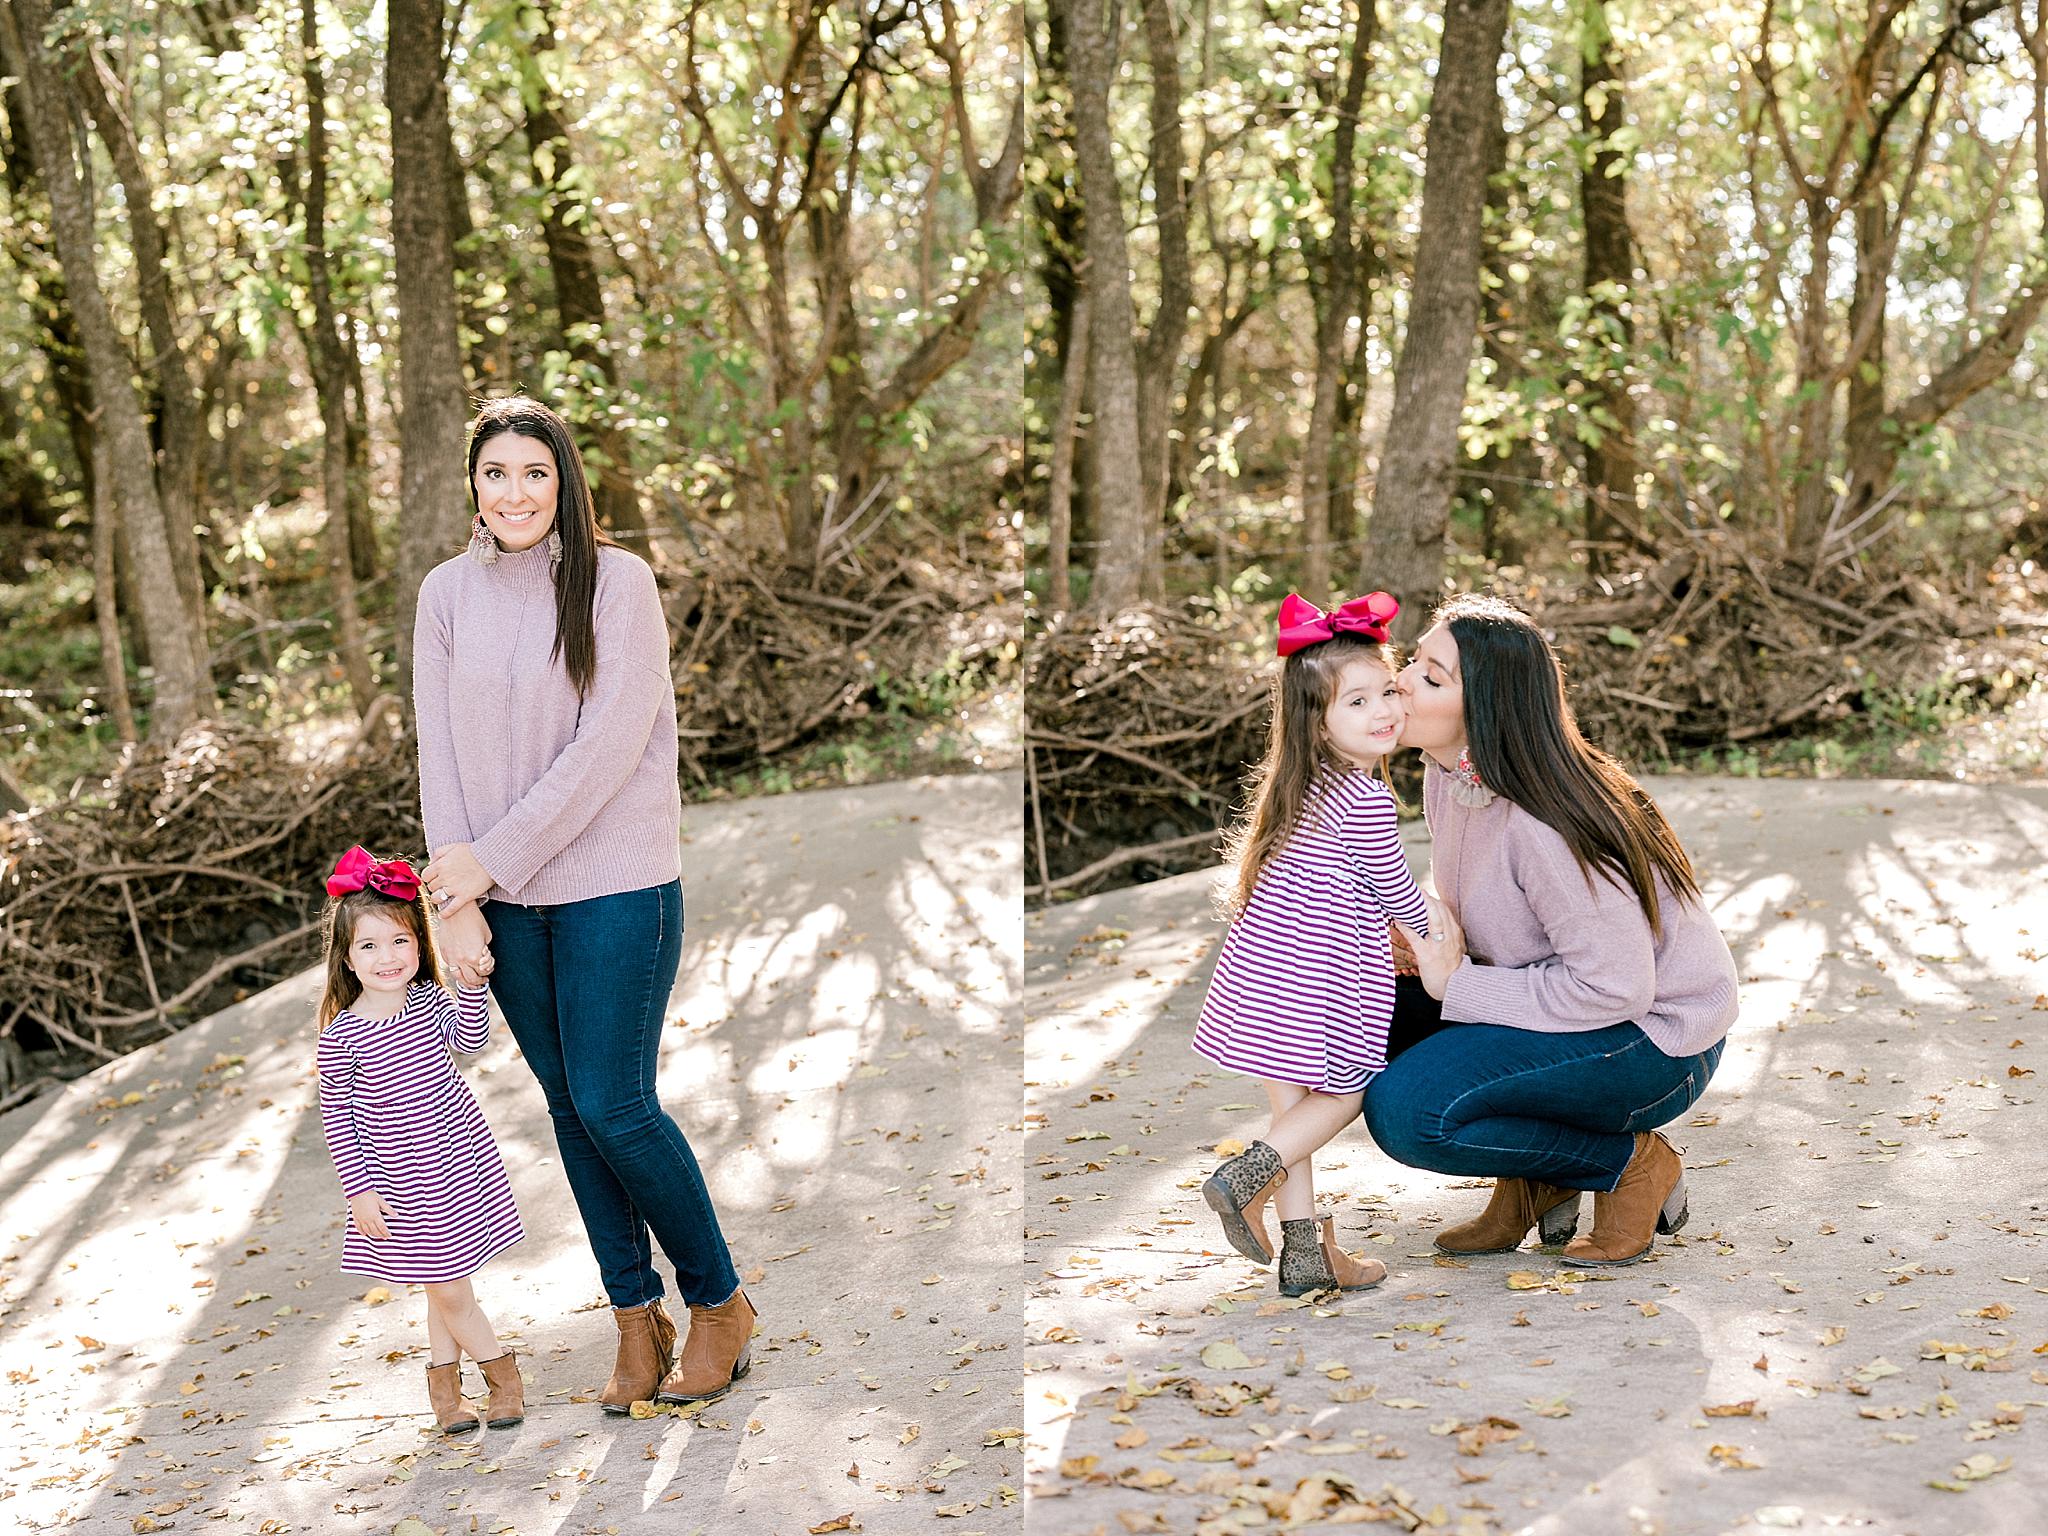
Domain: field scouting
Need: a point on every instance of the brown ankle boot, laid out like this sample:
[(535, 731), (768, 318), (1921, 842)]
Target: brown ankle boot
[(1238, 1191), (1649, 1199), (444, 1392), (716, 1354), (507, 1407), (1349, 1273), (1516, 1206), (647, 1348)]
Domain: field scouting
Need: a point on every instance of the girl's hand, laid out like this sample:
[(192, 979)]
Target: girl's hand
[(454, 879), (465, 940), (1404, 952), (369, 1210), (1437, 956)]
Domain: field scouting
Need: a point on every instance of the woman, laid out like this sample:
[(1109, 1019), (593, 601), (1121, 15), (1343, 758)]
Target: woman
[(547, 726), (1581, 997)]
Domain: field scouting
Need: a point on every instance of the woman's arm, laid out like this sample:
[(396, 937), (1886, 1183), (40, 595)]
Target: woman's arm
[(441, 806), (1602, 968), (611, 733)]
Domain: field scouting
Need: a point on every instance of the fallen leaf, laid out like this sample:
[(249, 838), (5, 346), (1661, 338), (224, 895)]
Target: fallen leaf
[(846, 1522), (1224, 1355), (377, 1295), (1742, 1410), (1731, 1458)]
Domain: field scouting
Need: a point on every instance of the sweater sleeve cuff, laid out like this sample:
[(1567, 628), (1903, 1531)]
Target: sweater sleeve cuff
[(1468, 999), (499, 852)]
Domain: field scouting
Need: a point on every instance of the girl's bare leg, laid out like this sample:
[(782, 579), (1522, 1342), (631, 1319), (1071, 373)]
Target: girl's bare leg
[(1296, 1199), (441, 1346), (1307, 1124), (462, 1320)]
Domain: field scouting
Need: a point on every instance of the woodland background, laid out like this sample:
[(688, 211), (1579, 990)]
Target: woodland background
[(1707, 331), (969, 370)]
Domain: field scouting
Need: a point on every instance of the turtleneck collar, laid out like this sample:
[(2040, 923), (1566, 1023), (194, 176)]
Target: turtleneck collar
[(526, 569)]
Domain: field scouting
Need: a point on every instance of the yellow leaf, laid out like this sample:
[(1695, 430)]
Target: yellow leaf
[(377, 1295), (1742, 1410), (1525, 1280), (1079, 1466), (1229, 1146), (1131, 1439)]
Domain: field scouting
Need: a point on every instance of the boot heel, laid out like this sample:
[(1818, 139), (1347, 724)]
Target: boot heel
[(1560, 1223), (1674, 1212)]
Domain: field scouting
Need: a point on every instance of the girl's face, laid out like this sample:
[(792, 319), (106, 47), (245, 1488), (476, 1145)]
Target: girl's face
[(1365, 716), (516, 484), (1435, 696), (383, 954)]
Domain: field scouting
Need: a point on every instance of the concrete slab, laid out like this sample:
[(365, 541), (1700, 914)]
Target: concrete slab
[(182, 1353), (1850, 1335)]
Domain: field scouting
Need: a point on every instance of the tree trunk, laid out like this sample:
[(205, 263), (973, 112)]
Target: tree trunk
[(1610, 432), (1340, 307), (567, 220), (26, 235), (1405, 553), (330, 378), (1867, 432), (1499, 480), (184, 689), (433, 404), (1121, 527), (1059, 593), (362, 528), (1158, 358), (106, 607), (166, 374)]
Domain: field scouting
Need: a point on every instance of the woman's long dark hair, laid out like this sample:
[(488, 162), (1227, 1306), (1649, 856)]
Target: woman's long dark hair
[(1297, 750), (575, 520), (343, 913), (1527, 748)]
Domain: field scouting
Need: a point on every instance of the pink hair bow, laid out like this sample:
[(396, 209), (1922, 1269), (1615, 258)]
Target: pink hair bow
[(387, 877), (1303, 624)]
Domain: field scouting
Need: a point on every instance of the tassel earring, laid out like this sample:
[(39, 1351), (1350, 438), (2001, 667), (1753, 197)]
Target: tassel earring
[(554, 550), (482, 545)]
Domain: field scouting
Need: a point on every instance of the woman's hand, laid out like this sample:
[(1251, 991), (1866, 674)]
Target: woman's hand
[(454, 879), (369, 1209), (1437, 956), (465, 940)]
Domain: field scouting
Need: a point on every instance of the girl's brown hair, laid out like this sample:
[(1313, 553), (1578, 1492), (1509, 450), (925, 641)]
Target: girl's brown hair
[(343, 913), (1297, 751), (1526, 746), (575, 521)]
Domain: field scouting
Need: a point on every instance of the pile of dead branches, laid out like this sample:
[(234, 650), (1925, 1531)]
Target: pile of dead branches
[(1714, 646), (196, 876), (764, 662), (1140, 729)]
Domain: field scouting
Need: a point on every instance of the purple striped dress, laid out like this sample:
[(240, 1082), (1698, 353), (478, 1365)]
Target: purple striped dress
[(400, 1120), (1304, 987)]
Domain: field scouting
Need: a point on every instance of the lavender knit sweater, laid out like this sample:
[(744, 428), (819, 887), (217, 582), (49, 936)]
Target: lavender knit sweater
[(1548, 950), (560, 800)]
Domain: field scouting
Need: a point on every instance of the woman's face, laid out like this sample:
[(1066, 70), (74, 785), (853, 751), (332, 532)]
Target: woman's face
[(1436, 697), (516, 485)]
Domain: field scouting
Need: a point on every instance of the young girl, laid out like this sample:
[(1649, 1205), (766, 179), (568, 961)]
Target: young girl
[(428, 1200), (1304, 987)]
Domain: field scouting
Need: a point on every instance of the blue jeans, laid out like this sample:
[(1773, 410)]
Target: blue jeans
[(1490, 1101), (584, 985)]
